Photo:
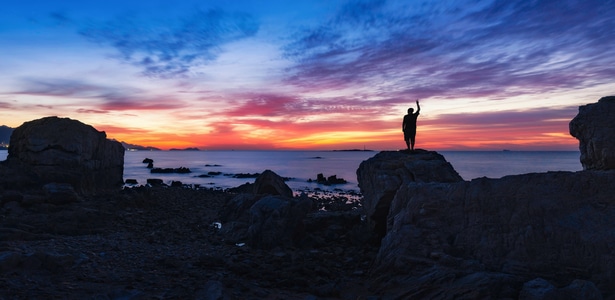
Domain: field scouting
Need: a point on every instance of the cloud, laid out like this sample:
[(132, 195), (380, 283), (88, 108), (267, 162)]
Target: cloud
[(175, 47), (107, 98), (299, 108), (509, 118), (461, 48)]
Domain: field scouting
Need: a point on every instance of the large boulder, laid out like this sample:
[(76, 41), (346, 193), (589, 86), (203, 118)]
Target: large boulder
[(62, 150), (595, 129), (487, 237), (271, 183), (381, 176), (269, 217)]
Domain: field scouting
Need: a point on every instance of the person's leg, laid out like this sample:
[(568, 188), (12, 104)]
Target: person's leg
[(412, 140)]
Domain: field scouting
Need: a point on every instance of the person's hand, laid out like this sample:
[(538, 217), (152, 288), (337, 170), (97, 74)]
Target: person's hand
[(417, 101)]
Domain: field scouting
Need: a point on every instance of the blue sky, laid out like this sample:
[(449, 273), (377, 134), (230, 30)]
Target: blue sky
[(309, 74)]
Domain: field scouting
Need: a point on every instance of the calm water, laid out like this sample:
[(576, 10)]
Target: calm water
[(303, 165)]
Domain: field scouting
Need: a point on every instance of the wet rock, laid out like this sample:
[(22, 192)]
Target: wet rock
[(131, 181), (593, 126)]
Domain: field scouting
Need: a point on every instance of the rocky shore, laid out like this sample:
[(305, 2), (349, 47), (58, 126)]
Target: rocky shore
[(418, 230), (165, 243)]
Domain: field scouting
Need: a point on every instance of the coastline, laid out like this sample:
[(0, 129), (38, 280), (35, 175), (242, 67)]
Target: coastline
[(160, 243)]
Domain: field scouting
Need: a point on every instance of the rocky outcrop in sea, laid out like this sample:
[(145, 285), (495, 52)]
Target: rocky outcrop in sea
[(533, 236)]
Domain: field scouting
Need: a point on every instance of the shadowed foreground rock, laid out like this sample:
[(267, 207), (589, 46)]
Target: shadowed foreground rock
[(61, 150), (488, 237), (532, 236)]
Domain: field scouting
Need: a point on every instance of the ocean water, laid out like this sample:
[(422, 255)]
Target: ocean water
[(301, 166)]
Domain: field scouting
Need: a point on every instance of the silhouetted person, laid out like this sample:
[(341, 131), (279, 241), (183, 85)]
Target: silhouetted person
[(409, 126)]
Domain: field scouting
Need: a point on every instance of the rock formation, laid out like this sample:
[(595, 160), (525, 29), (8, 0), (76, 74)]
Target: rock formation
[(268, 217), (595, 129), (501, 233), (61, 150), (381, 176), (532, 236), (273, 184)]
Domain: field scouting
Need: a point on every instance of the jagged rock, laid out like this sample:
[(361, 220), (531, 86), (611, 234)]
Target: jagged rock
[(594, 128), (67, 151), (556, 225), (381, 176), (273, 184)]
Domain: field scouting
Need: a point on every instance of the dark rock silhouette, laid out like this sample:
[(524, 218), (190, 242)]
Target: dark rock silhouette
[(595, 129), (62, 150), (381, 176), (531, 236), (155, 181), (331, 180), (268, 217), (273, 184), (501, 233), (180, 170)]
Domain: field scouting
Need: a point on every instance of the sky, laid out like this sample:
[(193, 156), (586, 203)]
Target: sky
[(313, 75)]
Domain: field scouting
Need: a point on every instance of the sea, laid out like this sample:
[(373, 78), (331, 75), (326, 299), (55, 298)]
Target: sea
[(220, 169)]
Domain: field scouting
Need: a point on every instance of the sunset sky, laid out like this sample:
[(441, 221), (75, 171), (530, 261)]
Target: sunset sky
[(321, 74)]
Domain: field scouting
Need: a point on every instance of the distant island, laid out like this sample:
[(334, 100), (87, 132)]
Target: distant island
[(185, 149), (133, 147), (348, 150)]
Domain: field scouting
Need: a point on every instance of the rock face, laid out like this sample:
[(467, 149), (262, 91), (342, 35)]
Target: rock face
[(381, 176), (496, 234), (595, 129), (61, 150)]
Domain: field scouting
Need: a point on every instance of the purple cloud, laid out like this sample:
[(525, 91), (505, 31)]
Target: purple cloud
[(172, 49), (478, 48), (105, 98)]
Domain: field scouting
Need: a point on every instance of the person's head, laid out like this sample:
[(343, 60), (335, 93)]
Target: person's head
[(410, 110)]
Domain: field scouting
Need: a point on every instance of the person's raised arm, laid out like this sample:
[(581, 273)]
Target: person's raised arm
[(418, 107)]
